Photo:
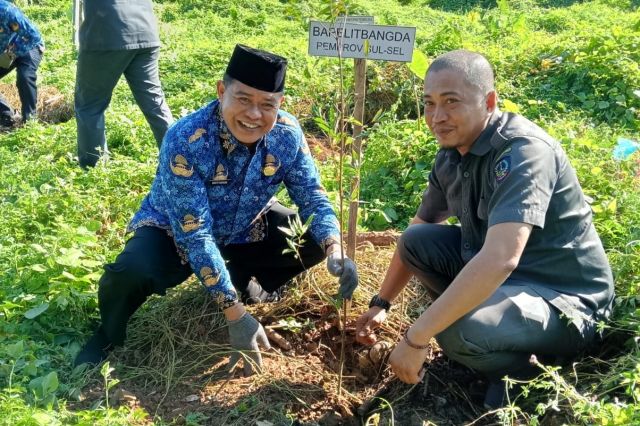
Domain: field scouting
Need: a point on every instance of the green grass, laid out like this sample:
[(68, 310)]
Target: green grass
[(570, 66)]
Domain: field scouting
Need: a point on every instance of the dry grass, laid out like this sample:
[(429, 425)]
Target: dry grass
[(52, 107), (176, 351)]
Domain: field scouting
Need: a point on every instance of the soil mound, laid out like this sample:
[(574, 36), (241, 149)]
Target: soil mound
[(52, 107)]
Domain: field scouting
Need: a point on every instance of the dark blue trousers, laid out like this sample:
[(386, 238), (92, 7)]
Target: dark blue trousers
[(26, 69)]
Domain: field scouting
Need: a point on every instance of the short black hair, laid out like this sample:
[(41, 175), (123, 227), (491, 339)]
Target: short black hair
[(475, 68)]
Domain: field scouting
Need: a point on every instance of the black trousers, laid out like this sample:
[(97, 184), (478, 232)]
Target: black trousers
[(150, 264)]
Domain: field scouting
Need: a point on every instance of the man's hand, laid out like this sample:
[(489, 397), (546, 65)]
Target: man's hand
[(345, 270), (407, 362), (245, 334), (367, 323)]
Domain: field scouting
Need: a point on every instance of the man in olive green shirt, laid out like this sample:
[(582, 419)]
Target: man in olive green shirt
[(524, 272)]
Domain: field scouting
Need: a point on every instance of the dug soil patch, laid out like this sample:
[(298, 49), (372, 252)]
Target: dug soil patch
[(173, 364)]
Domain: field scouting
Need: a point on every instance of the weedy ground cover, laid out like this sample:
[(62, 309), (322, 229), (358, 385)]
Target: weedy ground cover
[(570, 66)]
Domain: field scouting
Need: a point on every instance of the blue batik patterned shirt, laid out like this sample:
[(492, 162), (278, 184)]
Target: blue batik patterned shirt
[(210, 191), (16, 29)]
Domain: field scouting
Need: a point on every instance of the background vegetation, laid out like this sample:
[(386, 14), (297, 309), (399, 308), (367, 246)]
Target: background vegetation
[(572, 66)]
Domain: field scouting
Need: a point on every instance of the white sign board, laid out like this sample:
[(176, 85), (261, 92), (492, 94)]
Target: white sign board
[(377, 42)]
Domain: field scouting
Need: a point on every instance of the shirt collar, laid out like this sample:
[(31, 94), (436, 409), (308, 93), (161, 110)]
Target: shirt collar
[(482, 145)]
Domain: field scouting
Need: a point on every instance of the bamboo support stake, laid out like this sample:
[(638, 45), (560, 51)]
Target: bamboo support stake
[(342, 136), (360, 69)]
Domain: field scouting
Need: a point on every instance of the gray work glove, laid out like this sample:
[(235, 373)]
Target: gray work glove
[(245, 334), (347, 272)]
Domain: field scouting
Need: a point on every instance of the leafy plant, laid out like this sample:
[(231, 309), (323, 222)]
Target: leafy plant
[(109, 383), (295, 233)]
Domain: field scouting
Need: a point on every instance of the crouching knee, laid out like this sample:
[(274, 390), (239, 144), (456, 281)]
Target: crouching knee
[(458, 344), (122, 281)]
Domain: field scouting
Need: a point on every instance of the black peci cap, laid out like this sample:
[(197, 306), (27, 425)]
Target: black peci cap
[(257, 68)]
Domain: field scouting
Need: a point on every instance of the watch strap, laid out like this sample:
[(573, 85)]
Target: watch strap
[(380, 302)]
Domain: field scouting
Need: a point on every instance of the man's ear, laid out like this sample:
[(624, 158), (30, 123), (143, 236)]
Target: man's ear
[(492, 101), (283, 99), (220, 88)]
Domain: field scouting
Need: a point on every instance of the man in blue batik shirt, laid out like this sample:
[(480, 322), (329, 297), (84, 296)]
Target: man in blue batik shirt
[(211, 211), (21, 38)]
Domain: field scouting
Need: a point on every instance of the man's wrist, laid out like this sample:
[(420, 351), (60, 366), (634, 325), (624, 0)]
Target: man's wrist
[(379, 302), (411, 343), (330, 245), (234, 312)]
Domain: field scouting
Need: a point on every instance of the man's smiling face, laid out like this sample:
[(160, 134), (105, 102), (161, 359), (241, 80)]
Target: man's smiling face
[(249, 113), (455, 111)]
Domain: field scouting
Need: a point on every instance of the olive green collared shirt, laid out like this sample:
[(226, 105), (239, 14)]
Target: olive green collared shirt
[(515, 172)]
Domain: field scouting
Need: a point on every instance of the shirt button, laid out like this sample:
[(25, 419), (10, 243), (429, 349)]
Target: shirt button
[(465, 210), (467, 246), (466, 174)]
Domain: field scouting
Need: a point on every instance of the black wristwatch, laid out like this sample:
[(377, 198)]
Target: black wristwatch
[(378, 301)]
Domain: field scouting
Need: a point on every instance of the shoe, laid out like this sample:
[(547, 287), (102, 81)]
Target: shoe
[(496, 395), (10, 122), (254, 294), (95, 350)]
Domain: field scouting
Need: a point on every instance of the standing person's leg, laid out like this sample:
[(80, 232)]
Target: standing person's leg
[(144, 81), (6, 112), (26, 80), (97, 74), (148, 264), (265, 261)]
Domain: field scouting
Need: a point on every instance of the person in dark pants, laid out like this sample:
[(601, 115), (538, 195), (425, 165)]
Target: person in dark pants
[(22, 40), (211, 211), (524, 272), (117, 38)]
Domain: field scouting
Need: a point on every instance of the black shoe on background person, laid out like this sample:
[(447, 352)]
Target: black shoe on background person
[(9, 122)]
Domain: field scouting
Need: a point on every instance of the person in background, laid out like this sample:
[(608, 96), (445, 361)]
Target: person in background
[(211, 211), (22, 41), (524, 272), (116, 38)]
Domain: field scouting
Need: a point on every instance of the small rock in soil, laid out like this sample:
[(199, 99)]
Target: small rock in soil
[(192, 398)]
